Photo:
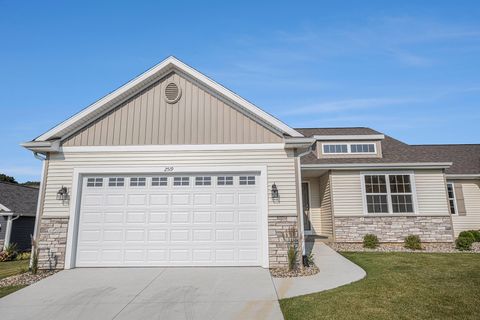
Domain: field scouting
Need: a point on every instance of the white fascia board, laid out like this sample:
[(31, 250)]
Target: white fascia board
[(383, 166), (4, 209), (42, 146), (349, 137), (298, 142), (161, 68), (463, 176)]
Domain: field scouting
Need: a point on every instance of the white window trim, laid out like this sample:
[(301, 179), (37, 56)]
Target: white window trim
[(389, 194), (349, 148), (454, 198)]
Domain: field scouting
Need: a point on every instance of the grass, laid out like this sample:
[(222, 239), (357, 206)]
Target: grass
[(399, 286), (11, 268)]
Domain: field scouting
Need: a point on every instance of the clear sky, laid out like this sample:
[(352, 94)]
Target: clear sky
[(410, 69)]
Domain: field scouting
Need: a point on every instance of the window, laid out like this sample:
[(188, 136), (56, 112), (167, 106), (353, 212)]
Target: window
[(451, 198), (335, 148), (138, 182), (159, 181), (181, 181), (362, 148), (116, 182), (247, 180), (203, 181), (94, 182), (225, 181), (389, 193)]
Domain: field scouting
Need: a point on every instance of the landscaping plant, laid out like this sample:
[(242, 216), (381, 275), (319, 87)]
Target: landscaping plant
[(291, 238), (476, 234), (9, 253), (464, 243), (370, 241), (413, 242), (467, 234)]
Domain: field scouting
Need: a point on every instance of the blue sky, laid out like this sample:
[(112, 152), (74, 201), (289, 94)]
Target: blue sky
[(410, 69)]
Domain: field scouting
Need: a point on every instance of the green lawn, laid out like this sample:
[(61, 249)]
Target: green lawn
[(399, 286), (8, 269)]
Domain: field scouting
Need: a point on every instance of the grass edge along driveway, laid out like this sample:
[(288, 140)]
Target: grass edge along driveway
[(11, 268), (399, 286)]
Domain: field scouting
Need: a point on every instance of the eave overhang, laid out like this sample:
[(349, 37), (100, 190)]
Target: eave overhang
[(373, 166)]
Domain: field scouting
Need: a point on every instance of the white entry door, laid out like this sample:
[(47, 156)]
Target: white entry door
[(197, 219)]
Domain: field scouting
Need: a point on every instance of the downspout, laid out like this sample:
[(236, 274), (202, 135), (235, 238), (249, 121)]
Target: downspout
[(8, 231)]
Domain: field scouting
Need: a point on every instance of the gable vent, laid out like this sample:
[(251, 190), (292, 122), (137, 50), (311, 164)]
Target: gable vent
[(172, 92)]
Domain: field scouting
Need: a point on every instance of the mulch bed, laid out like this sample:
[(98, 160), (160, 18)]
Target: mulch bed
[(25, 279), (299, 272), (398, 247)]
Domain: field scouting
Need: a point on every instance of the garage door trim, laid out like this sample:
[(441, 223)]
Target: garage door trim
[(79, 173)]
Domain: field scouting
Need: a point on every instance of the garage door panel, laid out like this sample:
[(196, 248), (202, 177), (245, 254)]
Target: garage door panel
[(201, 222)]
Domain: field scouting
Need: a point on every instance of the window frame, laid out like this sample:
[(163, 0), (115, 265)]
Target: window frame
[(116, 182), (349, 148), (138, 180), (454, 199), (95, 182), (389, 194), (231, 182)]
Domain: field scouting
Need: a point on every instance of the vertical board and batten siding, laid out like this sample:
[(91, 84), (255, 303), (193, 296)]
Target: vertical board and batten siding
[(198, 117), (430, 192), (471, 195), (320, 205), (280, 165)]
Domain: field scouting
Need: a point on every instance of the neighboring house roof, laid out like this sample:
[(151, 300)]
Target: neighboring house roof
[(465, 158), (152, 75), (19, 199)]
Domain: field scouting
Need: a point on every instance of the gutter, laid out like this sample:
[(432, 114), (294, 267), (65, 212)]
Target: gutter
[(463, 176), (8, 230), (42, 146), (357, 166)]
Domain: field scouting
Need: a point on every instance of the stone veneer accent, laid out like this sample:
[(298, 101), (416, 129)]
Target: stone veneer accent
[(394, 229), (277, 247), (52, 242)]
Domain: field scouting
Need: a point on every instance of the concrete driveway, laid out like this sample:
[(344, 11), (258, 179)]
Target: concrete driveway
[(147, 293)]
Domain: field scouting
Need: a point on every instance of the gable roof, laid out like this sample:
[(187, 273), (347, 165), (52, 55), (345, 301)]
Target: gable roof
[(19, 199), (168, 65), (465, 159)]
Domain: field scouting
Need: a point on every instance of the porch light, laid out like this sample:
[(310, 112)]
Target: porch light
[(62, 194), (275, 195)]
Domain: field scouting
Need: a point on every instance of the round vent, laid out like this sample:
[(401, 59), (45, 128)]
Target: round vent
[(172, 92)]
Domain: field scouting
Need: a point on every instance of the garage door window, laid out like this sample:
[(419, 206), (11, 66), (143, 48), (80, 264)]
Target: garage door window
[(94, 182), (247, 180), (181, 181), (138, 182), (116, 182), (225, 181), (203, 181), (159, 181)]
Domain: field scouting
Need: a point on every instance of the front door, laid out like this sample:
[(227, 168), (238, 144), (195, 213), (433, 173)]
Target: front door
[(307, 226)]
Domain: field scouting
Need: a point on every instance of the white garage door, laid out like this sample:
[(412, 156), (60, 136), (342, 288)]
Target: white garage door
[(181, 220)]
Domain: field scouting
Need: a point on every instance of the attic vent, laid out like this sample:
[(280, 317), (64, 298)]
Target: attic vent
[(172, 92)]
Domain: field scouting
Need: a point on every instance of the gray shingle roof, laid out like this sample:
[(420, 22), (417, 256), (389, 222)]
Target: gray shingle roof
[(465, 158), (20, 199)]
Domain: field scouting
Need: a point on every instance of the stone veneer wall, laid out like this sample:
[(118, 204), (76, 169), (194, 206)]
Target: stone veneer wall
[(394, 229), (52, 243), (277, 247)]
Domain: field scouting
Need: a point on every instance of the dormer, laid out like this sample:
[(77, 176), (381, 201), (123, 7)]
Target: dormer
[(349, 146)]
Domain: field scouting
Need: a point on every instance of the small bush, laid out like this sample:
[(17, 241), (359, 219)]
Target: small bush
[(476, 234), (9, 253), (464, 243), (467, 234), (413, 242), (290, 236), (370, 241), (23, 256)]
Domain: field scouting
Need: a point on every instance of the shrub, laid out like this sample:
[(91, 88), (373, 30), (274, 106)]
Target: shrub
[(370, 241), (9, 253), (290, 236), (413, 242), (476, 234), (467, 234), (23, 256), (464, 243)]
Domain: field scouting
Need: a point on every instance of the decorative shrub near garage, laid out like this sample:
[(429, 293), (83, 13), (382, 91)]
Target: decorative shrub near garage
[(413, 242), (370, 241), (467, 234), (464, 243)]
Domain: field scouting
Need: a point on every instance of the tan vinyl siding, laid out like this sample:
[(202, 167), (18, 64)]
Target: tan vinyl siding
[(320, 205), (471, 195), (430, 192), (280, 165), (199, 117)]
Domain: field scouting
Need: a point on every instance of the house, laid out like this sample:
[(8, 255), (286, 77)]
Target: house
[(173, 169), (18, 207)]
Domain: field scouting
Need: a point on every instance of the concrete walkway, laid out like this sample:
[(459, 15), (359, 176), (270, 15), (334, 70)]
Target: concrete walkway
[(335, 271)]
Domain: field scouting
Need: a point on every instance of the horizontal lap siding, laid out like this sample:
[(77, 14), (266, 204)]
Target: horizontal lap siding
[(431, 192), (471, 195), (347, 193), (326, 206), (199, 117), (280, 165)]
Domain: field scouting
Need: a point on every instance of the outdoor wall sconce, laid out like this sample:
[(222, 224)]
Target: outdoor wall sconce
[(275, 194), (62, 194)]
